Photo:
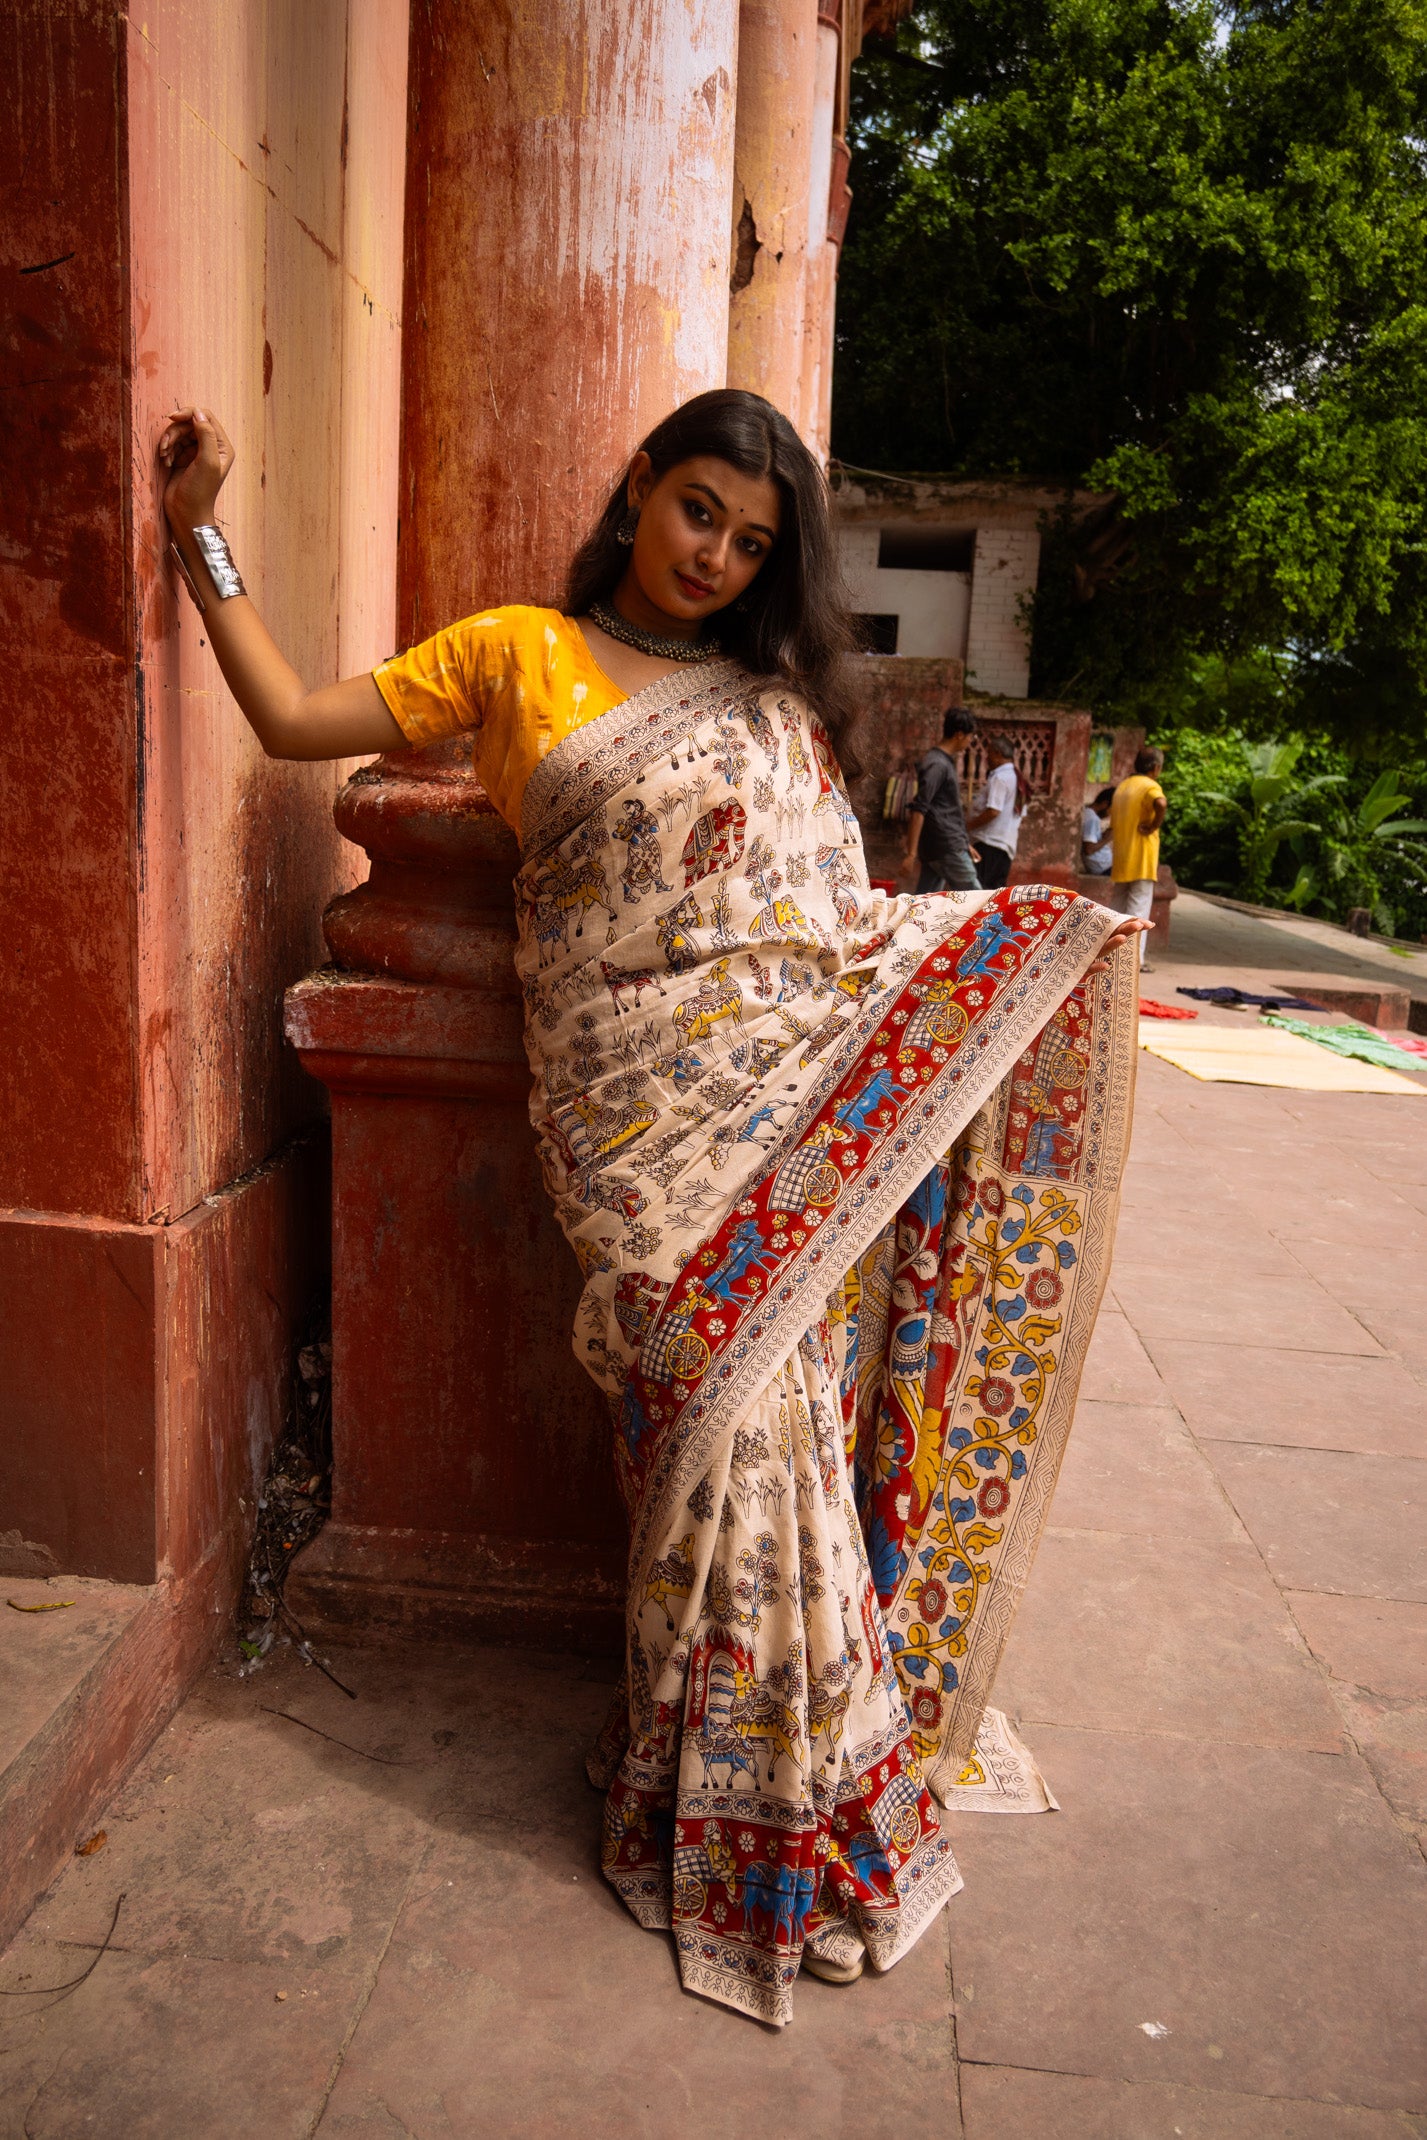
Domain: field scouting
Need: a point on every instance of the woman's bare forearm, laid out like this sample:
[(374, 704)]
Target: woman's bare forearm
[(342, 720)]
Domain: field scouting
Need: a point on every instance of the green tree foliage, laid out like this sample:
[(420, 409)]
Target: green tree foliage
[(1264, 810), (1346, 855), (1175, 253), (1297, 823)]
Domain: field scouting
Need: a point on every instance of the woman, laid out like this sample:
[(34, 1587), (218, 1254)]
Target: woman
[(995, 821), (840, 1171)]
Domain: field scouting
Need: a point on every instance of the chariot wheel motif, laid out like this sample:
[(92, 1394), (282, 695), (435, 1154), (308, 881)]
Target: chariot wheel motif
[(687, 1356), (946, 1024), (689, 1896), (1068, 1069), (905, 1829), (824, 1185)]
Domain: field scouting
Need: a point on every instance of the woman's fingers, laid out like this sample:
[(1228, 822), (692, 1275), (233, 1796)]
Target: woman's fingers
[(198, 433), (197, 454), (225, 448), (1123, 935), (180, 427)]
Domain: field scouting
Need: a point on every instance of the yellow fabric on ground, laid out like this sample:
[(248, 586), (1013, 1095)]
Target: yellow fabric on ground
[(1135, 854), (523, 678), (1264, 1055)]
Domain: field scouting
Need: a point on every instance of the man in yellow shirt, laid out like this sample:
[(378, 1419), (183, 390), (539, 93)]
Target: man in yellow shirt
[(1136, 815)]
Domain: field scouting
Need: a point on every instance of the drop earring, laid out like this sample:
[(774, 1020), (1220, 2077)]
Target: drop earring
[(625, 531)]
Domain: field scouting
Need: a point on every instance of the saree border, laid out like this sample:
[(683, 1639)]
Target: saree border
[(1119, 994), (594, 762), (929, 1119)]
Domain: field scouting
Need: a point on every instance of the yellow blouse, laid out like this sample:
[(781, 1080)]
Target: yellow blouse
[(523, 678)]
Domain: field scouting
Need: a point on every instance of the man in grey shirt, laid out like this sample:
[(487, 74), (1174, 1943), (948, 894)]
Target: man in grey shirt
[(937, 843)]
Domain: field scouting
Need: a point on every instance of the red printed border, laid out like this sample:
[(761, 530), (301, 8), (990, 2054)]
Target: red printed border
[(697, 1324)]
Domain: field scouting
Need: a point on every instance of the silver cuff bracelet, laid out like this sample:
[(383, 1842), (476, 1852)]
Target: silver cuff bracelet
[(212, 547)]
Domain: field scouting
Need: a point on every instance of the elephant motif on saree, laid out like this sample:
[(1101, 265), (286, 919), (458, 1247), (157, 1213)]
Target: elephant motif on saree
[(841, 1172)]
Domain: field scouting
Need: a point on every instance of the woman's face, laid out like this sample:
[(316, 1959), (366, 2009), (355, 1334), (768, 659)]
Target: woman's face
[(704, 530)]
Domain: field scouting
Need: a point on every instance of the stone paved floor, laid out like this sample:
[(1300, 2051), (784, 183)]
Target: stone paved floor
[(1221, 1663)]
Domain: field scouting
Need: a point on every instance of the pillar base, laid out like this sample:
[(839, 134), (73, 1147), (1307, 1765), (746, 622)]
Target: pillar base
[(473, 1480), (144, 1370), (507, 1590)]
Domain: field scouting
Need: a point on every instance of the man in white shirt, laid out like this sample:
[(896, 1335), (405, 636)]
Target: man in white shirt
[(1095, 848), (995, 823)]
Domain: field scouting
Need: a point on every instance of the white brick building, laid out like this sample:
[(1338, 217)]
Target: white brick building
[(937, 567)]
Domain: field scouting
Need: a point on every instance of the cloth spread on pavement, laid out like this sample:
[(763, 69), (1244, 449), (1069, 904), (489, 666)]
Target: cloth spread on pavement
[(1359, 1041), (1149, 1008), (1260, 1055), (1241, 998)]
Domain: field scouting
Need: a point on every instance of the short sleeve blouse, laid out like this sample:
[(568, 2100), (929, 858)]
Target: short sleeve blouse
[(522, 678)]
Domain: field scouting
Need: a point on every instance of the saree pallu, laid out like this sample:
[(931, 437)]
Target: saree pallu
[(841, 1171)]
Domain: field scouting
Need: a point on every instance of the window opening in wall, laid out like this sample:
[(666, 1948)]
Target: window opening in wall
[(925, 549), (1032, 746), (878, 634), (1099, 767)]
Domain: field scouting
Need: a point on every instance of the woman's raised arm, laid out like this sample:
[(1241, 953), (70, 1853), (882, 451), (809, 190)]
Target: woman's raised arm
[(341, 720)]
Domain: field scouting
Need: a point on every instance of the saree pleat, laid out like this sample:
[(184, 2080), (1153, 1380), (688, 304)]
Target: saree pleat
[(841, 1172)]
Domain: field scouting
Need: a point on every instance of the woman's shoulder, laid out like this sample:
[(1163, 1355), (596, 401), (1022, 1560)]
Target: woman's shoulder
[(512, 623), (515, 639)]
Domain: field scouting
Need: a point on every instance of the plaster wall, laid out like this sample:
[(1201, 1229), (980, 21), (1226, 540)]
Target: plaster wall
[(902, 701), (571, 173), (265, 169), (144, 1372), (210, 202), (931, 607)]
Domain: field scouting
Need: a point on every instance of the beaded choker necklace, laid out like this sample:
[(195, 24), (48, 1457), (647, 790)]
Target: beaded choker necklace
[(609, 620)]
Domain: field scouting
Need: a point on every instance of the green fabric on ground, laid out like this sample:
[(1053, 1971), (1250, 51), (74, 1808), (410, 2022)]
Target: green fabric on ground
[(1352, 1039)]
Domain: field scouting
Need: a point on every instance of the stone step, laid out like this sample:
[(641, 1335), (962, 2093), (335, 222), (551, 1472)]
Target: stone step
[(79, 1701), (1361, 997)]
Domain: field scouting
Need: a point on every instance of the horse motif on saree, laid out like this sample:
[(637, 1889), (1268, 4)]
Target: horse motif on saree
[(841, 1172)]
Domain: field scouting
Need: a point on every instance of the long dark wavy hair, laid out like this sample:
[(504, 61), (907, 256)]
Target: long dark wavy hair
[(792, 622)]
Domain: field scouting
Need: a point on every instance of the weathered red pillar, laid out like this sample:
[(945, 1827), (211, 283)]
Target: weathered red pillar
[(570, 170), (772, 199), (160, 1201), (569, 176), (201, 202), (821, 299)]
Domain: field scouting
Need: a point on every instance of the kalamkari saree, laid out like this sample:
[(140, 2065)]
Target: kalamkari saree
[(841, 1172)]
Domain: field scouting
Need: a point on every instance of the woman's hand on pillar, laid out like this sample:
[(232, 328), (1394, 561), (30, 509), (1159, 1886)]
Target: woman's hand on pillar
[(340, 720), (197, 452)]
